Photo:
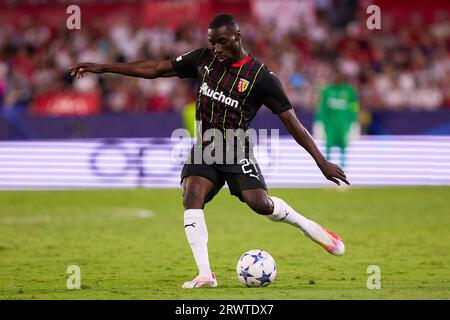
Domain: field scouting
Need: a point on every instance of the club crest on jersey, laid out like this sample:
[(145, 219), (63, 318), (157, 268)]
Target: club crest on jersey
[(242, 85)]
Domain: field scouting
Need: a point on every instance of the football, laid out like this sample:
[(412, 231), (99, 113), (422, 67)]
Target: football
[(256, 268)]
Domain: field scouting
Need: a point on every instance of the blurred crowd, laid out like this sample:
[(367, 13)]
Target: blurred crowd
[(395, 68)]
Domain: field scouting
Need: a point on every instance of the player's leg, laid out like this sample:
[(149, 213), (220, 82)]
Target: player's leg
[(329, 140), (247, 182), (197, 190), (328, 152), (277, 210), (342, 144), (343, 156)]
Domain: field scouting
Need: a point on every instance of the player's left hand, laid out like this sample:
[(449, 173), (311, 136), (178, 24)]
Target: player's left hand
[(333, 172)]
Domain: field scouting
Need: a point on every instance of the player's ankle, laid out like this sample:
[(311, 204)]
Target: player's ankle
[(204, 271), (205, 276)]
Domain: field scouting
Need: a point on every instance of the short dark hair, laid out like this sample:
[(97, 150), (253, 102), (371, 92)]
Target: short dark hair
[(223, 20)]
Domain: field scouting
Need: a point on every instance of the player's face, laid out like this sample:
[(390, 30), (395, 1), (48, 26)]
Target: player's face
[(224, 42), (339, 78)]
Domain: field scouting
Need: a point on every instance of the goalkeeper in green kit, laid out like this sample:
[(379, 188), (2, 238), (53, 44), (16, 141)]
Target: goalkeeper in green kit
[(337, 115)]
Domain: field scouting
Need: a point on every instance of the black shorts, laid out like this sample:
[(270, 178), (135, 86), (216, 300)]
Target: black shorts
[(238, 177)]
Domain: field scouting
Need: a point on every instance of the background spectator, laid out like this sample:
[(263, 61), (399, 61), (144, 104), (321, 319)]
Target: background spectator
[(403, 66)]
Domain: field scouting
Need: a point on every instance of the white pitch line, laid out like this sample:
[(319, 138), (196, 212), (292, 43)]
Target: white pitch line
[(117, 212), (24, 220)]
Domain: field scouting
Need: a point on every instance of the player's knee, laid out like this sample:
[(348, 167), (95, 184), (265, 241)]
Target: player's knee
[(193, 199), (261, 206)]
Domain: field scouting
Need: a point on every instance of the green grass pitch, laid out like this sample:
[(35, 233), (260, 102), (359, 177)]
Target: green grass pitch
[(130, 244)]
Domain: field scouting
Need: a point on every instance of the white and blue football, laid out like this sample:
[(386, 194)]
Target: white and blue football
[(256, 268)]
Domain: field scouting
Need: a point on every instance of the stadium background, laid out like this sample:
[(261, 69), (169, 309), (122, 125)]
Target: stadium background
[(113, 131), (401, 72)]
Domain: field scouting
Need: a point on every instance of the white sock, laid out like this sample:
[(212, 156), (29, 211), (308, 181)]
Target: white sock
[(283, 212), (197, 235)]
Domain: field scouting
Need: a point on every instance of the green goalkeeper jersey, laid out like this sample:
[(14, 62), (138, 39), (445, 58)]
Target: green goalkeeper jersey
[(338, 108)]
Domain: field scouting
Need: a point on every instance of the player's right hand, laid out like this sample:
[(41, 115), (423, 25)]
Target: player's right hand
[(79, 69)]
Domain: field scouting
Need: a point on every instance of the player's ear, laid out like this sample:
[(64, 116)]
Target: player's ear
[(237, 35)]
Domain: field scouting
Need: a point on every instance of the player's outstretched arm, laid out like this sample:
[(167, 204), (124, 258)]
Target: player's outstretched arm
[(142, 69), (331, 171)]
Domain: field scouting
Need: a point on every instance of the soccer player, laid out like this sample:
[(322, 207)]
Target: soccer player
[(233, 85), (337, 115)]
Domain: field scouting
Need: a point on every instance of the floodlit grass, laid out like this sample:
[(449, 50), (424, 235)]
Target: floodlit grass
[(130, 244)]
